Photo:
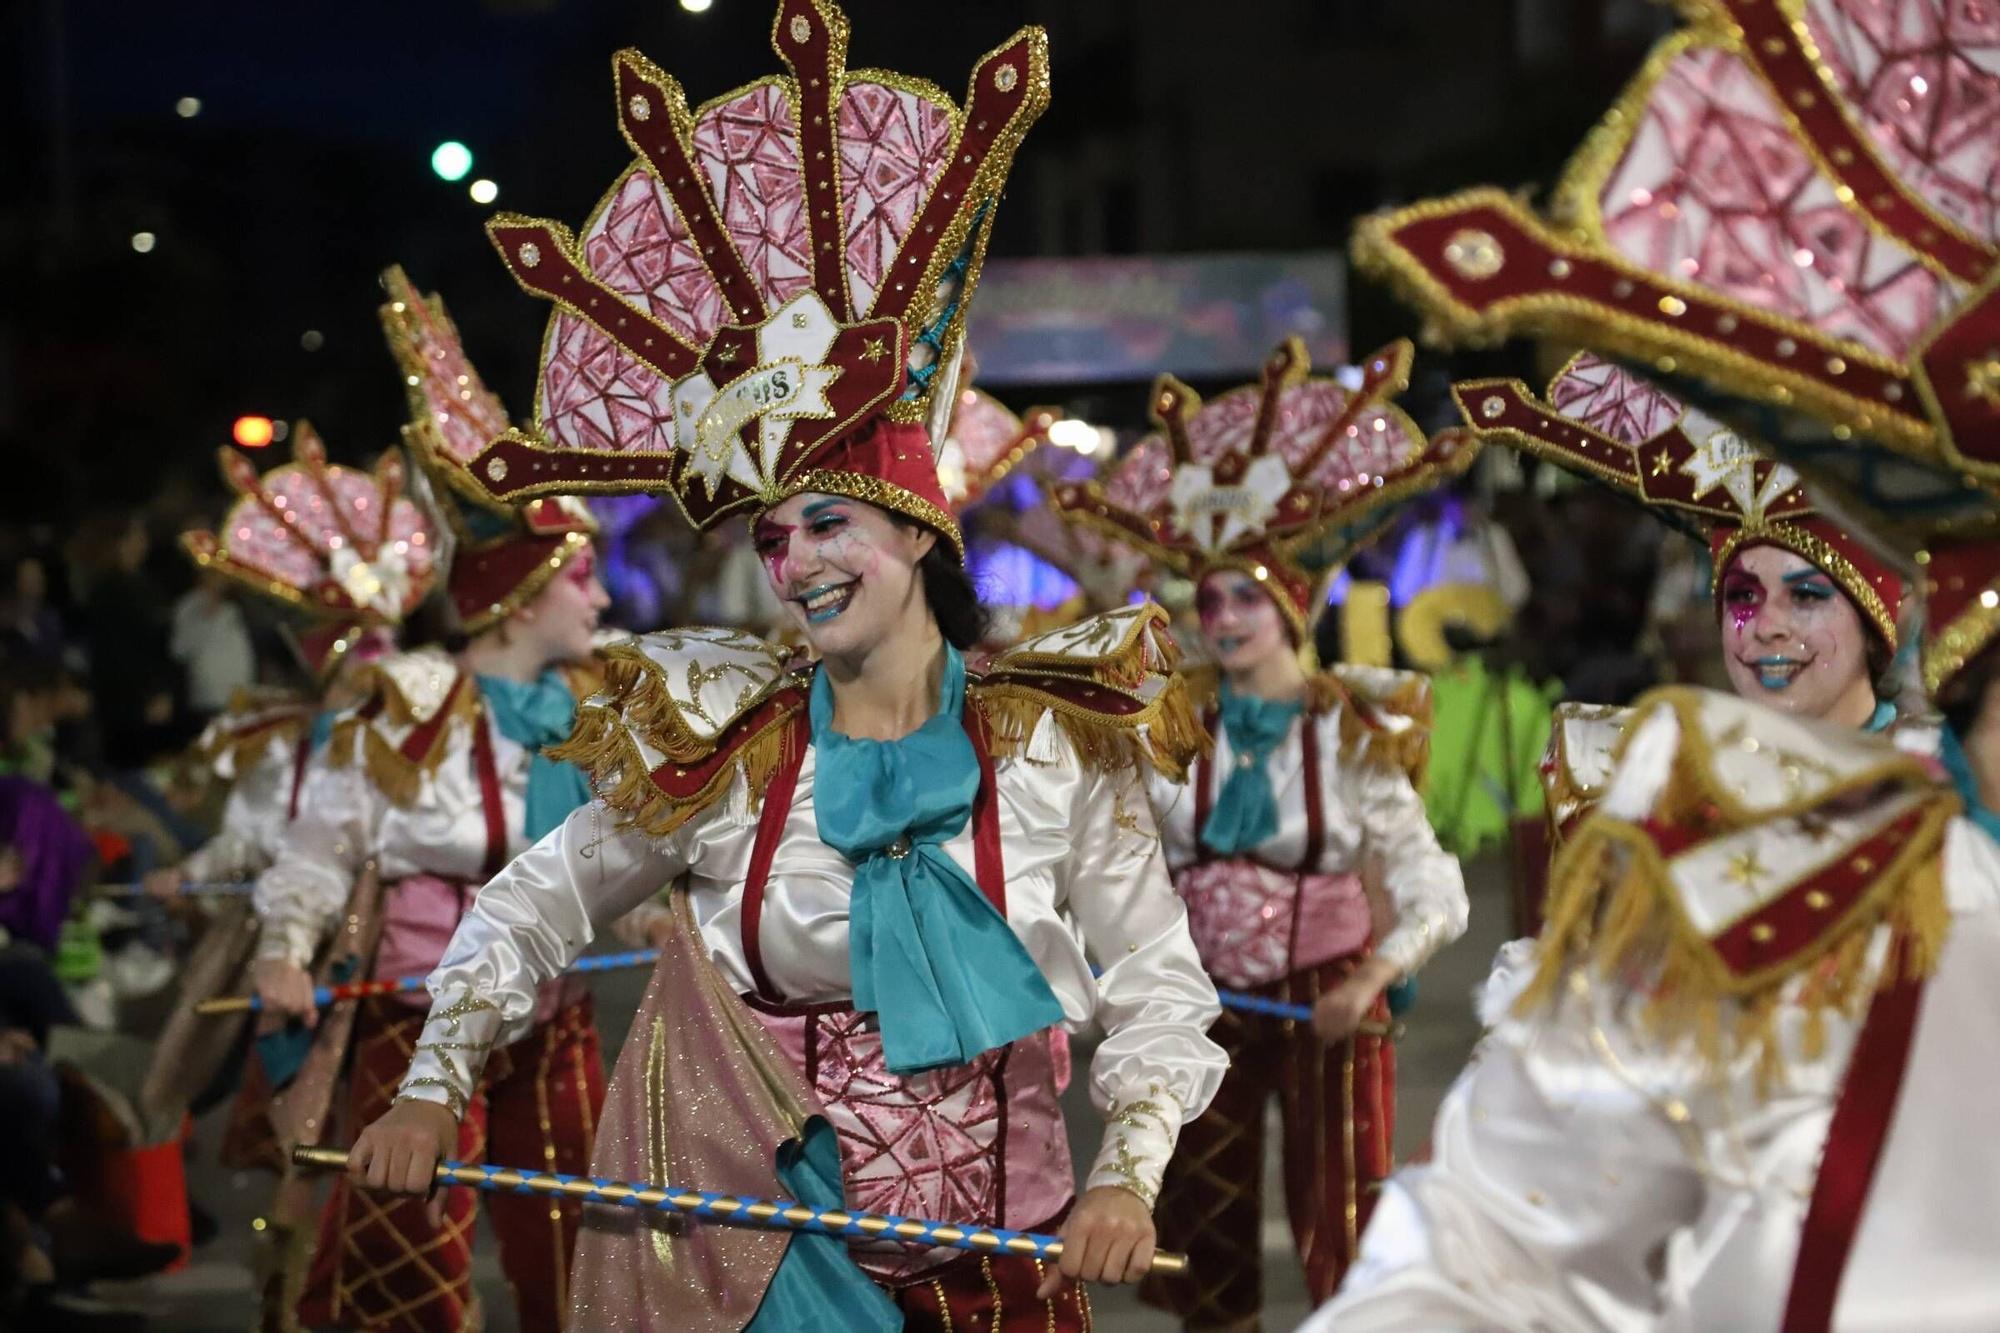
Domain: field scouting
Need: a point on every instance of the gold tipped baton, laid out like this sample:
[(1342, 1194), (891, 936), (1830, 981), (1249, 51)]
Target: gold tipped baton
[(730, 1210)]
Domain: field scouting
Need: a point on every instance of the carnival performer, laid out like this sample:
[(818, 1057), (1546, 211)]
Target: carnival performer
[(429, 787), (1809, 615), (1321, 789), (1727, 1086), (311, 537), (893, 875)]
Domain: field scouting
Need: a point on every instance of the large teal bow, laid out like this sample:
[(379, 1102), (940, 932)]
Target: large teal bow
[(932, 959), (537, 715), (1246, 810)]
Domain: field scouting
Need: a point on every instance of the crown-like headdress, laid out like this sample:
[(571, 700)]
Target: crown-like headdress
[(1608, 424), (1279, 479), (1797, 201), (984, 443), (348, 549), (503, 554), (772, 297)]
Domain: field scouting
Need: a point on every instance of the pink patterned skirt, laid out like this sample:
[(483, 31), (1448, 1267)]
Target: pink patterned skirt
[(981, 1143)]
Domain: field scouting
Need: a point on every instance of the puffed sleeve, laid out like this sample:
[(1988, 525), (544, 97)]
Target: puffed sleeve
[(1558, 1176), (1423, 880), (323, 850), (528, 924), (1156, 1069)]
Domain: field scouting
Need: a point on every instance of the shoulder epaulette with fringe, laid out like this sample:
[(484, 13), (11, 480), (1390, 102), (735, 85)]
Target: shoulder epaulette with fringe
[(1110, 683), (1737, 850), (400, 731), (679, 714), (1581, 756), (238, 737), (1385, 715)]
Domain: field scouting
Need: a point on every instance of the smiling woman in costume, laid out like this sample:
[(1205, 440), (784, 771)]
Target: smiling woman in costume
[(1320, 793), (427, 788), (891, 876)]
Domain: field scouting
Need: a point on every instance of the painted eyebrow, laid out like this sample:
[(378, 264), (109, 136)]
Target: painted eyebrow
[(818, 507), (1801, 575)]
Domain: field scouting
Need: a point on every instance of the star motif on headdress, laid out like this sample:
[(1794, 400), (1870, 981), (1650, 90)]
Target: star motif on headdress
[(1982, 378), (873, 350), (1721, 458), (1661, 462), (1746, 869)]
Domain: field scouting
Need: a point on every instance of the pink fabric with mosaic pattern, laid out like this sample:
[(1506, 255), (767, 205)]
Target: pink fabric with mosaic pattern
[(933, 1144)]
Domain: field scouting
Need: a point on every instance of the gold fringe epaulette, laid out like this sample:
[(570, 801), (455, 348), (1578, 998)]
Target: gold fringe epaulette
[(402, 729), (1385, 716), (679, 714), (1109, 681), (236, 741), (1754, 883)]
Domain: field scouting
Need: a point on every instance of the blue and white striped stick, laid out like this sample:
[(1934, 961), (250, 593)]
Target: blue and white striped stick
[(326, 995), (732, 1210)]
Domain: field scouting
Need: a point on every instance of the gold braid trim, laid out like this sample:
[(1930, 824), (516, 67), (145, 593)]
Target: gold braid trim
[(602, 745), (1106, 742), (362, 740), (1613, 909), (1406, 748)]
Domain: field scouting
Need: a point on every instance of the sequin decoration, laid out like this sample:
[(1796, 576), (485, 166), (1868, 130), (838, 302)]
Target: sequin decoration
[(596, 395), (749, 146), (893, 147), (1599, 395), (1922, 77), (1712, 188)]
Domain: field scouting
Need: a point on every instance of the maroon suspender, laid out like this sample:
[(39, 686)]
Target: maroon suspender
[(770, 828), (299, 774), (1854, 1143), (1315, 801), (490, 802), (989, 866)]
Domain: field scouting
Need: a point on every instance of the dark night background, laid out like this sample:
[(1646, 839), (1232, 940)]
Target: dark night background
[(1175, 127)]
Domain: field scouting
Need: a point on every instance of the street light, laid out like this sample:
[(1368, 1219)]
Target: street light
[(451, 160), (143, 242), (484, 191), (252, 432), (188, 108), (696, 6)]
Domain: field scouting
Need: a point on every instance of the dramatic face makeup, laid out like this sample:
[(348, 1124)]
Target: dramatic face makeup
[(1243, 626), (844, 569), (564, 614), (1790, 638)]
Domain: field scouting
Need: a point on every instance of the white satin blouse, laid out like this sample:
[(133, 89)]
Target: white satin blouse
[(1585, 1178), (1370, 813), (1086, 881), (254, 817), (344, 821)]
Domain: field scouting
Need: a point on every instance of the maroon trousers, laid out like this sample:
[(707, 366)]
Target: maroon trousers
[(1337, 1111), (381, 1264), (991, 1294)]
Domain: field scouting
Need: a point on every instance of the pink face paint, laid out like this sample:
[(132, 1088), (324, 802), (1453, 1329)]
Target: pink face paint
[(1791, 639), (583, 569)]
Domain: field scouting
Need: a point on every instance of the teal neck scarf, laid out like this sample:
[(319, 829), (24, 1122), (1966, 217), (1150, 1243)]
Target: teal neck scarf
[(1959, 766), (536, 715), (940, 969), (1246, 809)]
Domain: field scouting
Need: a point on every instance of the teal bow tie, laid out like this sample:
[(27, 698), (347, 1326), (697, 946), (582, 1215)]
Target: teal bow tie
[(535, 715), (932, 959), (1246, 809)]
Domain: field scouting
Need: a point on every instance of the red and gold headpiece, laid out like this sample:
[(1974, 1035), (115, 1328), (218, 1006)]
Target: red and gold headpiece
[(984, 443), (1961, 601), (1280, 479), (503, 554), (1608, 424), (1797, 201), (771, 299), (347, 549)]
